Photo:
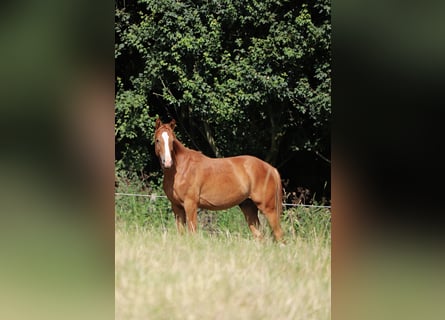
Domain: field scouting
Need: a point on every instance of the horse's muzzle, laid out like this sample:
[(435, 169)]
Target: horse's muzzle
[(166, 163)]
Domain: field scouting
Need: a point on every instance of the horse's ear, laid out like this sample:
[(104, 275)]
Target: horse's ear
[(158, 123), (173, 124)]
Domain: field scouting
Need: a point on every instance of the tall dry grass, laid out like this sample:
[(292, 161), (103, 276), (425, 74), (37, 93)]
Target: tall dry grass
[(162, 275)]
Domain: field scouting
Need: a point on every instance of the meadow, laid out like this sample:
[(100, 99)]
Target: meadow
[(221, 272)]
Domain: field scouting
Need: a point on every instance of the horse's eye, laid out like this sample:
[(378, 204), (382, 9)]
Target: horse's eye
[(157, 140)]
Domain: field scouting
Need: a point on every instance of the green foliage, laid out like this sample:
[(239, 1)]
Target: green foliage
[(133, 126), (155, 211), (308, 223), (230, 221), (239, 76)]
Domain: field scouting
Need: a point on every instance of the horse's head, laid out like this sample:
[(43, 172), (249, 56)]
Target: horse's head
[(164, 137)]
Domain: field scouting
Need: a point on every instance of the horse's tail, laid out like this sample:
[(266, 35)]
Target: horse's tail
[(278, 195)]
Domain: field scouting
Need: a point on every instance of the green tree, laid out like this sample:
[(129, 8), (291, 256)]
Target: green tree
[(248, 77)]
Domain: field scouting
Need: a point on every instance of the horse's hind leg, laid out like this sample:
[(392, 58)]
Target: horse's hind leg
[(273, 217), (250, 211)]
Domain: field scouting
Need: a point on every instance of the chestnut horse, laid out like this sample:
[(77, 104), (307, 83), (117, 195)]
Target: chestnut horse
[(192, 181)]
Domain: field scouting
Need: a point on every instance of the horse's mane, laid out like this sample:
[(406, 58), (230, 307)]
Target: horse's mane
[(179, 147)]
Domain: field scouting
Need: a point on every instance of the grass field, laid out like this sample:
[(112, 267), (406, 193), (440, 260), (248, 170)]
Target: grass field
[(161, 275), (221, 272)]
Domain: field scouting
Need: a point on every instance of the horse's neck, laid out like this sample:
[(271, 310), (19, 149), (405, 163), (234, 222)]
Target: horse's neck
[(178, 147), (183, 154), (179, 151)]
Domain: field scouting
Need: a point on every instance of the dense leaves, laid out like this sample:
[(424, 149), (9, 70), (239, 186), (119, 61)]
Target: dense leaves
[(249, 77)]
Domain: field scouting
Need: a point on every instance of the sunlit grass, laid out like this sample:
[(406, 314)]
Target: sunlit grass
[(162, 275)]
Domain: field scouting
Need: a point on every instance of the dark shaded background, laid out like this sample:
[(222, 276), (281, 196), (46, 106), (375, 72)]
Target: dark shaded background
[(388, 175), (56, 160)]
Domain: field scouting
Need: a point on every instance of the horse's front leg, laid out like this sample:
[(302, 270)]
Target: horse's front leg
[(179, 217), (191, 210)]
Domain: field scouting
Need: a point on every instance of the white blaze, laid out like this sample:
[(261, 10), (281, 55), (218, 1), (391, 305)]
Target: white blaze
[(167, 155)]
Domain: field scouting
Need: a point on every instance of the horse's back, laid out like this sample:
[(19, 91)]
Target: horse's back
[(245, 170), (256, 168)]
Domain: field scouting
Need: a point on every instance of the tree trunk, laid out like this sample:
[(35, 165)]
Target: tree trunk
[(211, 140), (275, 138)]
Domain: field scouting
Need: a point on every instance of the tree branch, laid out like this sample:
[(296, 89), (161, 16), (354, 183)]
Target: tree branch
[(323, 157)]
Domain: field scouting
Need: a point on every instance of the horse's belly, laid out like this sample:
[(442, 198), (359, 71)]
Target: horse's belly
[(224, 185), (221, 201)]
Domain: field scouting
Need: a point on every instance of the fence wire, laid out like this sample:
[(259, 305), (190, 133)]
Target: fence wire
[(153, 197)]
